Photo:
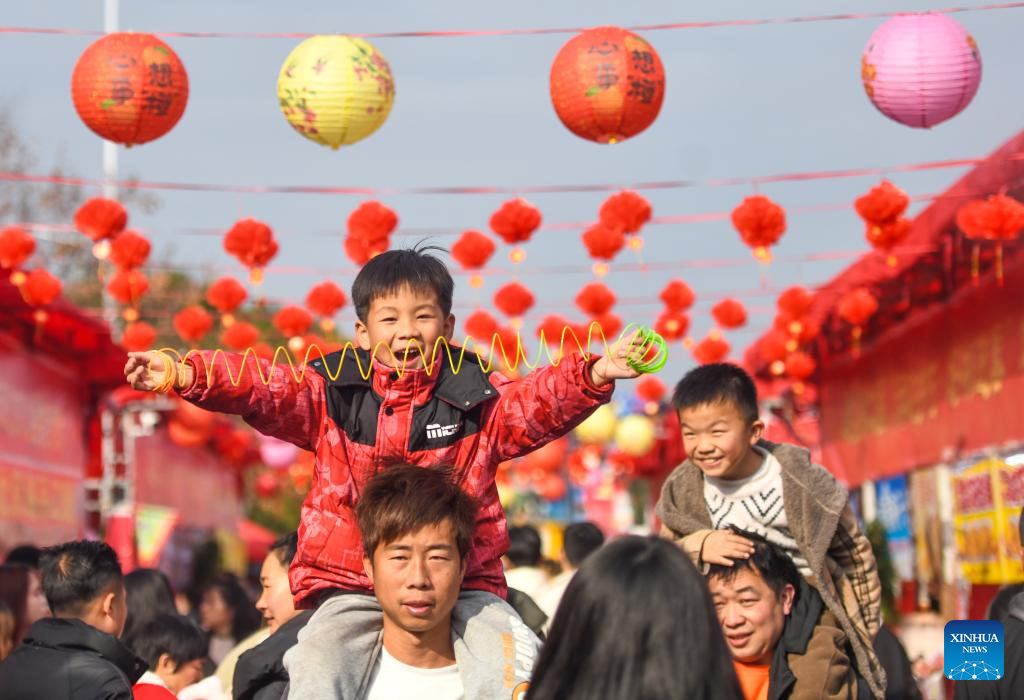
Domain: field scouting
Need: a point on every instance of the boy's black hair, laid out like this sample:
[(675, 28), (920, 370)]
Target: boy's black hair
[(719, 382), (284, 548), (173, 635), (76, 573), (768, 560), (524, 545), (393, 270), (580, 541)]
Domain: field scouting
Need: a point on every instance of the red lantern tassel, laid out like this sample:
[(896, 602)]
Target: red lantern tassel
[(856, 341), (975, 262), (999, 263)]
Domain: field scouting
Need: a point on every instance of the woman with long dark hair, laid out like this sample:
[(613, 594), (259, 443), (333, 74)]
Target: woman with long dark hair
[(22, 589), (148, 595), (228, 614), (636, 623)]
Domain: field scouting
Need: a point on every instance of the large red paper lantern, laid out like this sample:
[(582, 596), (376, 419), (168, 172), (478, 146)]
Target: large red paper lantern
[(16, 246), (626, 210), (360, 252), (240, 336), (710, 350), (252, 242), (857, 306), (192, 323), (607, 84), (760, 223), (610, 326), (595, 299), (603, 242), (552, 327), (292, 321), (795, 301), (473, 250), (372, 222), (729, 313), (324, 300), (138, 337), (800, 366), (40, 288), (513, 299), (678, 296), (129, 250), (672, 325), (515, 221), (651, 389), (882, 204), (129, 88), (128, 286), (998, 218), (226, 295), (100, 218), (481, 325)]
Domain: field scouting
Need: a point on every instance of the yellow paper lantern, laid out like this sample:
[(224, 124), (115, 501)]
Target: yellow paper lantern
[(598, 428), (634, 435), (335, 90)]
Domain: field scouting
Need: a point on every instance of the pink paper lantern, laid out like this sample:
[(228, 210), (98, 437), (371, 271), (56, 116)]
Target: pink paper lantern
[(277, 454), (921, 70)]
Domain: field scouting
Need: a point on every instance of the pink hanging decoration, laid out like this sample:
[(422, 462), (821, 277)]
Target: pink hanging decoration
[(922, 69)]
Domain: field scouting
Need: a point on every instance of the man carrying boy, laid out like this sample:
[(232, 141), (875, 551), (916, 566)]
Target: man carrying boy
[(399, 403), (733, 478), (75, 655)]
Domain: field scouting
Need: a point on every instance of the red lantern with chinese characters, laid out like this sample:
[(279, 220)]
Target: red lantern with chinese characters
[(252, 242), (607, 84), (513, 299), (672, 325), (729, 313), (712, 349), (325, 299), (515, 222), (856, 307), (473, 250), (626, 210), (760, 223), (998, 218), (138, 336), (603, 242), (240, 336), (192, 323), (16, 247), (100, 218), (595, 299), (129, 88), (678, 296), (226, 295), (129, 250), (128, 287)]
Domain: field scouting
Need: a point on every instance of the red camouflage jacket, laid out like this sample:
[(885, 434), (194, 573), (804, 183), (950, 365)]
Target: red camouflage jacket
[(473, 420)]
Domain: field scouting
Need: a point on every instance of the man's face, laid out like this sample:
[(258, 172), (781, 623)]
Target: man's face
[(751, 615), (417, 578), (404, 321), (718, 439)]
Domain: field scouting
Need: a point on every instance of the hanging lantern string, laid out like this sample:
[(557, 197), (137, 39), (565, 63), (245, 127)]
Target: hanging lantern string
[(459, 33), (39, 178)]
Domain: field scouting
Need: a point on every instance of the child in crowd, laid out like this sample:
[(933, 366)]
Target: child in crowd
[(174, 651), (393, 401), (734, 479)]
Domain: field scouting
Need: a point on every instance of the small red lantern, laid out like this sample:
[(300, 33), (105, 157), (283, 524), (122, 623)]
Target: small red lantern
[(800, 366), (651, 389), (226, 295), (252, 242), (607, 84), (773, 348), (324, 300), (513, 299), (626, 210), (998, 218), (595, 299), (292, 321), (796, 301), (372, 223), (240, 336), (672, 325), (481, 325), (16, 246), (760, 223), (129, 250), (515, 221), (100, 218), (610, 325), (128, 287), (361, 252), (729, 313), (678, 296), (40, 288), (856, 307), (548, 458), (129, 88), (711, 350), (192, 323), (552, 327), (603, 242), (551, 487), (882, 204), (473, 250), (138, 336)]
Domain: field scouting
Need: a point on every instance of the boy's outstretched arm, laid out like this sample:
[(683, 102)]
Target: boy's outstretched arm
[(282, 408)]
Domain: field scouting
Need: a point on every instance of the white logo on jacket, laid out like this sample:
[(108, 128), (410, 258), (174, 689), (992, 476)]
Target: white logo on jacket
[(436, 430)]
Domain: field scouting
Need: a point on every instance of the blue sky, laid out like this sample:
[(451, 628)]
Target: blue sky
[(740, 101)]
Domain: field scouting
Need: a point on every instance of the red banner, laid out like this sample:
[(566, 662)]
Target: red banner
[(944, 384)]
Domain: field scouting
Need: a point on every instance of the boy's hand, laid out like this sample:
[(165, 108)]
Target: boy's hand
[(723, 547), (146, 371), (614, 365)]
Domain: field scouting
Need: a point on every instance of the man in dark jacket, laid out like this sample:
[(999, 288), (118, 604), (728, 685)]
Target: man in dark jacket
[(1011, 685), (75, 655)]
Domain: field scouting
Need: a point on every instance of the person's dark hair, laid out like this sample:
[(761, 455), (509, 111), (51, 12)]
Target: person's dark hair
[(580, 541), (27, 554), (716, 384), (768, 560), (284, 548), (148, 594), (245, 618), (14, 584), (636, 622), (394, 270), (173, 635), (524, 545), (76, 573), (403, 499), (999, 608)]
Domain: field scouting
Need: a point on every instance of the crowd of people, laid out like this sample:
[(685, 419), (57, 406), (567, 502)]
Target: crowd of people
[(403, 579)]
